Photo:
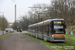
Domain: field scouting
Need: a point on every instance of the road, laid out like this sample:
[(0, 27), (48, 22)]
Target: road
[(17, 41)]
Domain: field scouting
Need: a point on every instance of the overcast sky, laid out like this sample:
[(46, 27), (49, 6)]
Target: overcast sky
[(7, 6)]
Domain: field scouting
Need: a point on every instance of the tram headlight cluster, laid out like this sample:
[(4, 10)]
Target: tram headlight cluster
[(52, 35), (65, 35)]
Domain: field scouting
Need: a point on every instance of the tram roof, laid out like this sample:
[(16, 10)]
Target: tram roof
[(48, 20)]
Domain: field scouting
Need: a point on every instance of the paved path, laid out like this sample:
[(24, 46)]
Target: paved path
[(24, 31), (21, 32), (17, 41)]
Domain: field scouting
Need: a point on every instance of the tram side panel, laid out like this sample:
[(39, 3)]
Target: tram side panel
[(46, 32), (29, 31), (40, 32), (34, 31)]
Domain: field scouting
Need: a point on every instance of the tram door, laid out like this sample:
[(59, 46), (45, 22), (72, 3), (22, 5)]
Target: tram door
[(46, 30)]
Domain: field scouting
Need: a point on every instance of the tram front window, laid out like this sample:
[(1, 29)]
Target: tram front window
[(58, 29)]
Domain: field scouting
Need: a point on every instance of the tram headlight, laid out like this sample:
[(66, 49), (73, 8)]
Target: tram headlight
[(52, 35), (65, 35)]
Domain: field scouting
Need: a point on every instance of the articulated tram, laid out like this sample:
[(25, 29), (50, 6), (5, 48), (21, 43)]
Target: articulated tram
[(49, 30)]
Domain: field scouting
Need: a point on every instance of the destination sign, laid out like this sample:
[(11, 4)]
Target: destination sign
[(58, 22)]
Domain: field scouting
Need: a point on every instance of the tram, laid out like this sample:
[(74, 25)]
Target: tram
[(49, 30)]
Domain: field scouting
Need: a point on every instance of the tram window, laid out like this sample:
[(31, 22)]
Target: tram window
[(38, 29), (41, 29), (44, 27), (50, 27), (58, 31), (35, 29), (47, 29)]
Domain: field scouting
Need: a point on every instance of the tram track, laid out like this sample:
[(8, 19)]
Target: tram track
[(71, 43), (66, 43)]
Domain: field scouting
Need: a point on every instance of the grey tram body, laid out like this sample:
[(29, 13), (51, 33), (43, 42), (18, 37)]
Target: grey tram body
[(44, 33)]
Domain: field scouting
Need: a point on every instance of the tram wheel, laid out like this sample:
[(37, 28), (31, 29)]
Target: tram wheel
[(36, 36), (45, 38)]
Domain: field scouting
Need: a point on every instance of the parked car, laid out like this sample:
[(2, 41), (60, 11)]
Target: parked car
[(6, 29), (11, 30)]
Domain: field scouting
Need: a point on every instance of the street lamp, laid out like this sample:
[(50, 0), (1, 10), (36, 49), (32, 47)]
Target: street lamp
[(3, 22)]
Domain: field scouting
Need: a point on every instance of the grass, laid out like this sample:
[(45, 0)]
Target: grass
[(71, 37), (1, 36), (59, 45)]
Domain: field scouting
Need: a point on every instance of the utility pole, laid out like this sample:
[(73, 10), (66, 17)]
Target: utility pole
[(15, 12), (14, 1), (3, 22), (74, 5), (65, 9)]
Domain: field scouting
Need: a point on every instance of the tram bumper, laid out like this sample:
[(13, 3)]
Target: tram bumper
[(57, 39)]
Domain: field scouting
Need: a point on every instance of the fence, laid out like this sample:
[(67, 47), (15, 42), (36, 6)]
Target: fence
[(1, 32), (70, 32)]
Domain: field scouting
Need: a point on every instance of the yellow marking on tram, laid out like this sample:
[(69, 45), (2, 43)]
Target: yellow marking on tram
[(58, 22)]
